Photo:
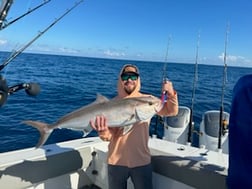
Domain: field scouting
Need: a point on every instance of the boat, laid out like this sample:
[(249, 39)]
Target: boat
[(81, 163)]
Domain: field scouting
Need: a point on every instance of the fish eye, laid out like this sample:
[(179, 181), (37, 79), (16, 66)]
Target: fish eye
[(150, 103)]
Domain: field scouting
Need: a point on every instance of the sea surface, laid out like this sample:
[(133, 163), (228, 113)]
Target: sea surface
[(68, 83)]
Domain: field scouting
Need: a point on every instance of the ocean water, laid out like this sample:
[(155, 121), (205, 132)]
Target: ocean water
[(67, 83)]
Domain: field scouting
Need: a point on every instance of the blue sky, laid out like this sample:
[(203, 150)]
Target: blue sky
[(137, 29)]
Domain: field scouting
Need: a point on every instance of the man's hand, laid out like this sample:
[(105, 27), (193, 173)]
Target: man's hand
[(168, 88), (100, 125)]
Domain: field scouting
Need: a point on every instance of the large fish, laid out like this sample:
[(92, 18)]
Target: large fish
[(119, 113)]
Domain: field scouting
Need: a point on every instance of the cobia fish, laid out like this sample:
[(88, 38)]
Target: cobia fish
[(119, 113)]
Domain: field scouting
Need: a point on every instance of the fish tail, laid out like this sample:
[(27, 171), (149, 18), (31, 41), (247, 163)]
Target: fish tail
[(43, 129)]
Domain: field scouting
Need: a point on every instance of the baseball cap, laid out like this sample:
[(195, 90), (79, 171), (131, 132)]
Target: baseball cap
[(130, 69)]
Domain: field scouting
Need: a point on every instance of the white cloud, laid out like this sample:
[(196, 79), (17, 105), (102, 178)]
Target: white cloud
[(113, 53), (236, 60), (232, 58), (51, 49), (68, 50), (3, 42)]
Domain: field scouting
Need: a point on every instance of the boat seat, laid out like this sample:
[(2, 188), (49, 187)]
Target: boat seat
[(180, 120), (212, 121)]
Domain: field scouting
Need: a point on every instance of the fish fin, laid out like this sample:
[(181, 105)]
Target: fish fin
[(100, 98), (43, 129), (87, 130), (126, 129)]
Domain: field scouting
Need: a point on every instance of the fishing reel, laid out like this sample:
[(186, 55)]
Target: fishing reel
[(224, 129), (32, 89)]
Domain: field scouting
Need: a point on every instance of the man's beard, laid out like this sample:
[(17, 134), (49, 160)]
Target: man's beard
[(129, 90)]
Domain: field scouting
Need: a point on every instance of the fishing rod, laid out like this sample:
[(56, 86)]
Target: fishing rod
[(30, 88), (28, 12), (159, 119), (23, 15), (16, 53), (223, 123), (191, 122), (165, 75), (5, 7)]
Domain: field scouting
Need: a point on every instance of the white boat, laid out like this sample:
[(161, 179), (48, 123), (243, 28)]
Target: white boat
[(81, 163)]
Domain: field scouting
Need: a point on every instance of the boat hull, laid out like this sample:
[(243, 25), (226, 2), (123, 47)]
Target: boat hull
[(81, 163)]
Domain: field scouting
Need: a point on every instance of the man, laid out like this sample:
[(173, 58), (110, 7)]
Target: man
[(240, 132), (128, 154)]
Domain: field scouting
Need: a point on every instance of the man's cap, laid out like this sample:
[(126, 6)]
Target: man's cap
[(130, 69)]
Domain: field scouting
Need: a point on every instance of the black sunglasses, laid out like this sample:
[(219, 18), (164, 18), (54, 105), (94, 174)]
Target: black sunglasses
[(125, 77)]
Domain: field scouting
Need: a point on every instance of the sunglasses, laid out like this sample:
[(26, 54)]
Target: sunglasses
[(125, 77)]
